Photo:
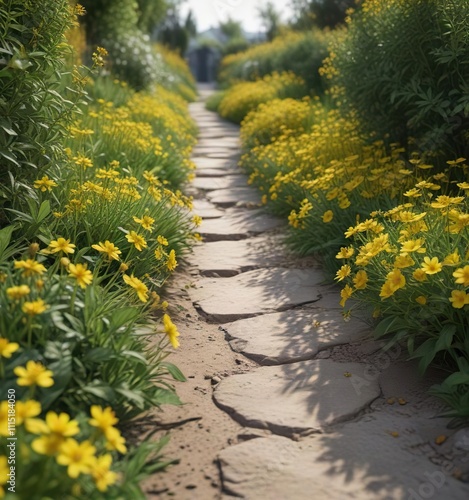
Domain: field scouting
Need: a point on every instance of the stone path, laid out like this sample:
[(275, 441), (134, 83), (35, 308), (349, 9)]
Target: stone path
[(327, 413)]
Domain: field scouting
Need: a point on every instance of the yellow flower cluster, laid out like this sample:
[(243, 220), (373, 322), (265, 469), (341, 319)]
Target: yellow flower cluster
[(56, 436), (279, 118), (420, 249), (244, 97)]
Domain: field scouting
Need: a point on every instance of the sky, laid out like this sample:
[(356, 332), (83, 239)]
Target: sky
[(209, 13)]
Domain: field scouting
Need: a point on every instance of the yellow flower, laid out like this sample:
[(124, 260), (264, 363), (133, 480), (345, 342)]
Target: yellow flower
[(387, 290), (30, 267), (18, 292), (412, 246), (419, 275), (112, 252), (171, 330), (445, 201), (138, 240), (34, 308), (82, 161), (101, 472), (80, 272), (459, 299), (462, 276), (197, 220), (345, 293), (55, 429), (77, 457), (431, 266), (7, 348), (146, 222), (138, 286), (396, 279), (343, 272), (171, 263), (422, 300), (345, 253), (327, 216), (61, 245), (102, 419), (413, 193), (403, 261), (45, 184), (360, 280), (25, 410), (162, 241), (33, 374), (115, 441), (452, 259)]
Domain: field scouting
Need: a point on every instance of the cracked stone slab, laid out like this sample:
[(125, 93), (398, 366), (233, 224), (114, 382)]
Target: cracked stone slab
[(210, 172), (360, 462), (224, 154), (207, 210), (292, 336), (308, 396), (214, 163), (238, 224), (229, 258), (245, 196), (216, 183), (223, 142), (256, 292)]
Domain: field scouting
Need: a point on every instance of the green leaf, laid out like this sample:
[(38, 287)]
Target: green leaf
[(5, 238), (44, 211), (457, 378), (98, 355), (104, 392), (174, 371), (445, 338), (389, 324), (123, 316)]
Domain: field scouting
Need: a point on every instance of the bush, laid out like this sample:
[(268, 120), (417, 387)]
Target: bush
[(401, 66), (34, 105), (279, 119), (300, 53), (244, 97), (411, 264)]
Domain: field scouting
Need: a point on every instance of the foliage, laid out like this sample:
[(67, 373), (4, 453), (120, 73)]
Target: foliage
[(244, 97), (401, 66), (34, 105), (82, 325), (300, 53), (75, 457), (411, 263), (279, 119), (321, 13)]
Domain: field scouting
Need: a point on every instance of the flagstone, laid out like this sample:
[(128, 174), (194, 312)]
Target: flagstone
[(255, 292), (292, 336), (238, 224), (360, 461), (304, 396), (245, 196), (215, 183), (229, 258), (206, 210)]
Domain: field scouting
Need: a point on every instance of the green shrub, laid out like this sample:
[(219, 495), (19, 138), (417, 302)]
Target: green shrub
[(300, 53), (244, 97), (402, 66), (34, 105)]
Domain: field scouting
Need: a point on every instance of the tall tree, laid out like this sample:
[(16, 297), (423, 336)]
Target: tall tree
[(271, 19), (321, 13)]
